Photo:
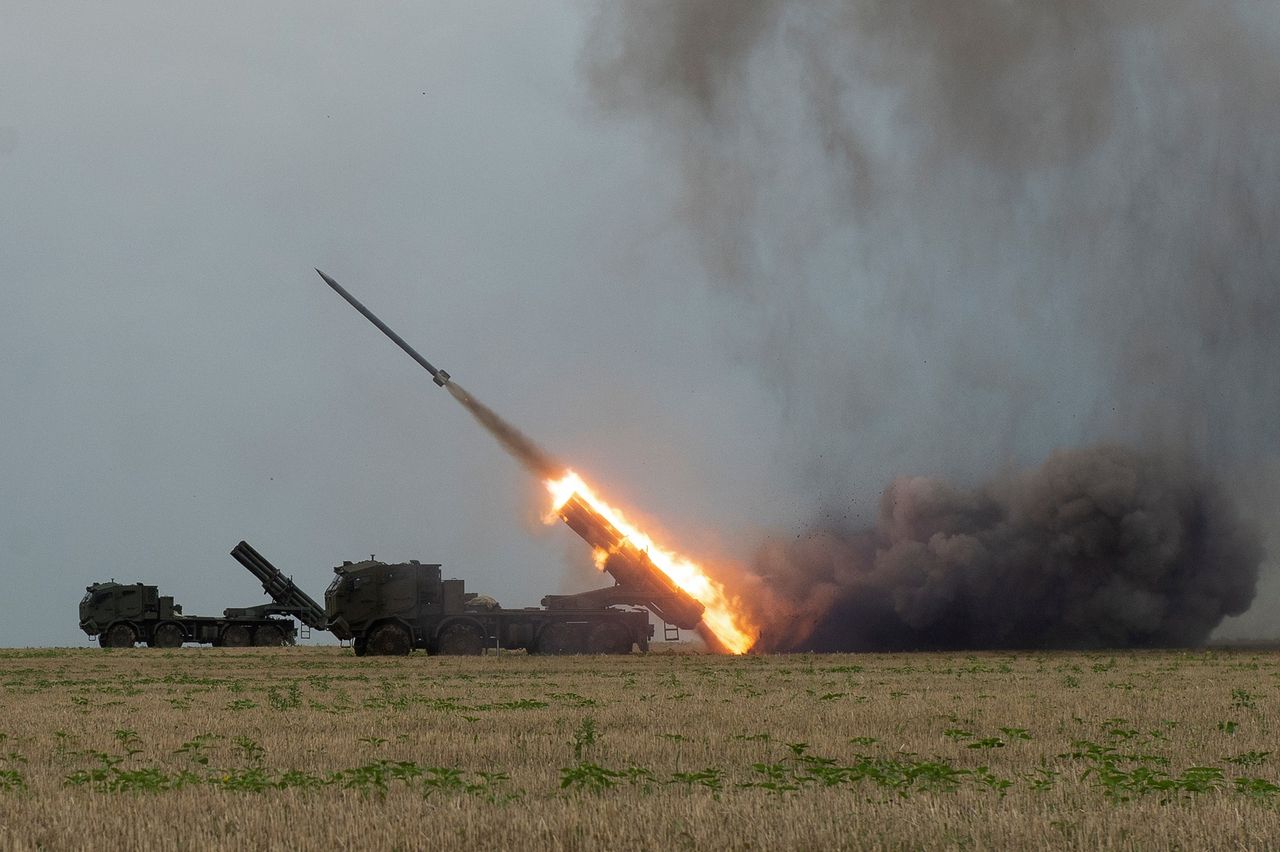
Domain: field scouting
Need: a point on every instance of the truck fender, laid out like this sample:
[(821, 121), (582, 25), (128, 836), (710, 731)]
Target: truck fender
[(407, 625)]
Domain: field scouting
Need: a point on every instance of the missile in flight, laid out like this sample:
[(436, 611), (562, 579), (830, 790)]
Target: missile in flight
[(440, 377)]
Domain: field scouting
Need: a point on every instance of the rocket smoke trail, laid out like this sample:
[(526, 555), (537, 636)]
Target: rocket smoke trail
[(530, 455), (534, 459)]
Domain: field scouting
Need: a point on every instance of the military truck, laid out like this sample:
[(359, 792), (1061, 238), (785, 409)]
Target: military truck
[(121, 615), (388, 609)]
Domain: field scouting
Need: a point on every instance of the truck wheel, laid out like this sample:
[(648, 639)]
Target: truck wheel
[(236, 636), (268, 636), (609, 638), (561, 638), (461, 640), (389, 640), (168, 636), (360, 645), (118, 636)]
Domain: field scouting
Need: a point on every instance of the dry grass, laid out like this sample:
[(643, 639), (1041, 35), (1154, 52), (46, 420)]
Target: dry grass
[(310, 748)]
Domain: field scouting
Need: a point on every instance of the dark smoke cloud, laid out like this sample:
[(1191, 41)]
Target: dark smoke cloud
[(1101, 175), (970, 233), (1102, 547)]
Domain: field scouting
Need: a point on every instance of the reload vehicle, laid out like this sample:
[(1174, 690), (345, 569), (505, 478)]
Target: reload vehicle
[(392, 609), (121, 615)]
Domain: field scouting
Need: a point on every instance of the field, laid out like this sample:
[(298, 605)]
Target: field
[(310, 748)]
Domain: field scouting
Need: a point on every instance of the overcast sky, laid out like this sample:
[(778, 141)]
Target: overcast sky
[(176, 377)]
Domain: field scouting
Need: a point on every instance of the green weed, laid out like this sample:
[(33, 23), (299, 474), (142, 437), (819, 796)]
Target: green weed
[(584, 737), (1241, 699), (11, 780), (589, 776), (712, 779), (1256, 788), (287, 698), (1248, 758), (194, 748)]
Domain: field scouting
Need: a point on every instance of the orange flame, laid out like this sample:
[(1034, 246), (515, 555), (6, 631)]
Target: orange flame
[(723, 617)]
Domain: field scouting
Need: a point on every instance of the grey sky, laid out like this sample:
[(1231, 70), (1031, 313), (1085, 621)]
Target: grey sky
[(176, 377)]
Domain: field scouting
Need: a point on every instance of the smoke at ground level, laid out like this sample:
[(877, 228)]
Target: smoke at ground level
[(1098, 547)]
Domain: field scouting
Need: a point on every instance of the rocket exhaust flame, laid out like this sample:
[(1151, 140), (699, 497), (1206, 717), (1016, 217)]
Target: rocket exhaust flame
[(681, 592), (628, 553), (672, 586)]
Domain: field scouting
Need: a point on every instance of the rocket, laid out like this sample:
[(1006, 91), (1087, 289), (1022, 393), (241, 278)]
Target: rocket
[(440, 377)]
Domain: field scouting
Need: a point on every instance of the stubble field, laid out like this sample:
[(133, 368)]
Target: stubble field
[(311, 748)]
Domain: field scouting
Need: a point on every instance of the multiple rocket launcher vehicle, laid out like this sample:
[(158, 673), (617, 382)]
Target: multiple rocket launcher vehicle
[(391, 609), (382, 609), (121, 615)]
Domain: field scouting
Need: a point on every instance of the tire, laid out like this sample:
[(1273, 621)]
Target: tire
[(237, 636), (561, 638), (389, 640), (461, 640), (118, 636), (609, 638), (168, 635), (360, 646), (268, 636)]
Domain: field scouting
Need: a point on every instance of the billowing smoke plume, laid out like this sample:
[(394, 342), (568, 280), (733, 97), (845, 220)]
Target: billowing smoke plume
[(1097, 548), (968, 234)]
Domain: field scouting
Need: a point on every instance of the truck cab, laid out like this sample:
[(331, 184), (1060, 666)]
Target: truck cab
[(366, 592), (115, 612)]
